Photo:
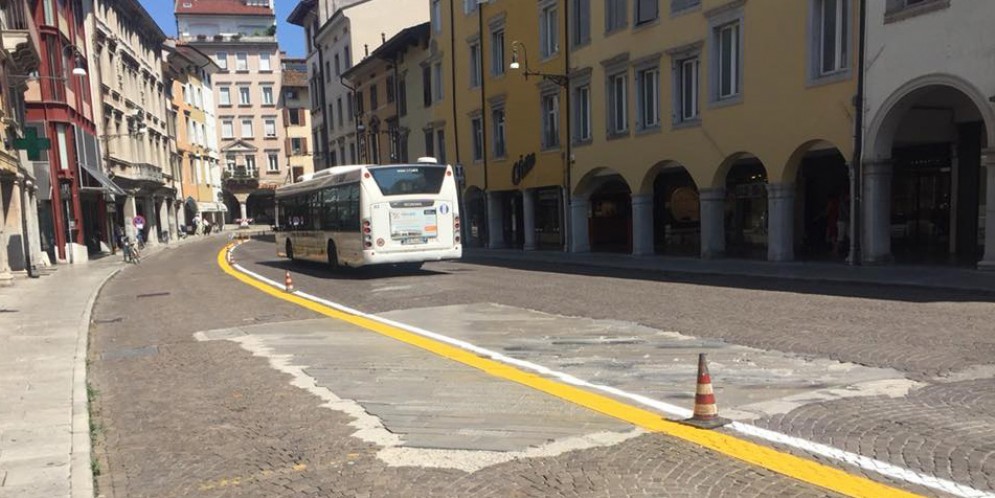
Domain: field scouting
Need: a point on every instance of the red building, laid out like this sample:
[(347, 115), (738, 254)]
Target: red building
[(72, 205)]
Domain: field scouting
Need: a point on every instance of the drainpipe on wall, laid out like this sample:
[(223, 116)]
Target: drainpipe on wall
[(483, 88), (568, 160), (452, 58), (856, 169)]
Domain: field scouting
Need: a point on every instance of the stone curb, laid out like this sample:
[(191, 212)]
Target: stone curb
[(484, 255), (80, 471)]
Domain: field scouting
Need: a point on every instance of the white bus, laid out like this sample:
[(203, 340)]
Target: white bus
[(398, 214)]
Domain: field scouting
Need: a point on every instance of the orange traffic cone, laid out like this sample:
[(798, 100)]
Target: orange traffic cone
[(289, 282), (706, 413)]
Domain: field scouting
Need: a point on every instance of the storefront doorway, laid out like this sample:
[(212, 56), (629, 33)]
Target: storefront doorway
[(549, 219), (746, 210), (610, 222), (676, 214)]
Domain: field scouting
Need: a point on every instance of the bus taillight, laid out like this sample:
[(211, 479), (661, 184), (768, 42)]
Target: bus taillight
[(456, 223)]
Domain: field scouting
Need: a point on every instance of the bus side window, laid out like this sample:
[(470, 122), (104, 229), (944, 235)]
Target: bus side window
[(330, 211)]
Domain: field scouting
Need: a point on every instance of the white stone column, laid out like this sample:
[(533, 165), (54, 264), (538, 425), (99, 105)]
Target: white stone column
[(580, 209), (166, 221), (151, 222), (130, 210), (529, 213), (243, 209), (6, 278), (876, 209), (642, 225), (713, 222), (780, 222), (495, 221), (38, 257), (988, 162), (16, 260)]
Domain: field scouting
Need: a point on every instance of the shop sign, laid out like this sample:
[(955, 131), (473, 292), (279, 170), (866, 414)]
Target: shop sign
[(522, 167)]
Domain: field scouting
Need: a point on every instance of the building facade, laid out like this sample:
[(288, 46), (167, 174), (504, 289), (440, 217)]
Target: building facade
[(190, 72), (928, 166), (295, 103), (241, 36), (347, 32), (132, 119), (592, 162), (19, 57), (73, 192)]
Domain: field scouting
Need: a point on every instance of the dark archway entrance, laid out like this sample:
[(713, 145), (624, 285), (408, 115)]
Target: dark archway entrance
[(746, 210), (937, 179), (476, 217), (610, 222), (260, 207), (676, 214), (514, 219), (823, 205)]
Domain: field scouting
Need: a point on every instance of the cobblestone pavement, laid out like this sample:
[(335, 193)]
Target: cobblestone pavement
[(942, 339), (178, 417)]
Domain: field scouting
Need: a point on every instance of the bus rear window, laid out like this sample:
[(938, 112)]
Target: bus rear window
[(404, 180)]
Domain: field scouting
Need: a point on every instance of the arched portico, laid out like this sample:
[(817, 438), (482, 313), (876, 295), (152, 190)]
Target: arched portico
[(820, 176), (475, 206), (926, 177), (601, 213), (745, 211), (674, 227)]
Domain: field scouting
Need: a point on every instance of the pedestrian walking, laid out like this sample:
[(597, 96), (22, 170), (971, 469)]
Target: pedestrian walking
[(139, 222)]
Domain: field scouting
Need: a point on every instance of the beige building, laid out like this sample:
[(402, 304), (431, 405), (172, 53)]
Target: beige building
[(241, 36), (19, 56), (190, 73), (296, 105), (132, 117)]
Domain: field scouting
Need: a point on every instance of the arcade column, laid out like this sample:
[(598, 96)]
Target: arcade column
[(713, 232), (580, 209), (780, 222), (877, 212), (988, 161), (642, 225)]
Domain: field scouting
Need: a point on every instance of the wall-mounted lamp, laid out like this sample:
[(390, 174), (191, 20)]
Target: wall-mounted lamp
[(560, 79)]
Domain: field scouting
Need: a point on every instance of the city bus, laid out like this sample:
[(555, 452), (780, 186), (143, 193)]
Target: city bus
[(397, 214)]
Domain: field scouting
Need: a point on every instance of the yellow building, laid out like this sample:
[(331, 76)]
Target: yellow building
[(704, 127), (506, 130), (296, 105), (196, 142)]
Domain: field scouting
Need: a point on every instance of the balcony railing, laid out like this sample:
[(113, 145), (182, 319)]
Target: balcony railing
[(240, 173), (13, 16)]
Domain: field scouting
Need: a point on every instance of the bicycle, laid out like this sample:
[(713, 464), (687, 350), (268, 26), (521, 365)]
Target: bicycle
[(131, 253)]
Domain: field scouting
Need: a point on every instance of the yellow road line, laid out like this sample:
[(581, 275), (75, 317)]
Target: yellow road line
[(805, 470)]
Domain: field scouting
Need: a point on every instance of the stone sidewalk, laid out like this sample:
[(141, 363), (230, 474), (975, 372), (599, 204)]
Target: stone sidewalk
[(44, 422), (927, 277)]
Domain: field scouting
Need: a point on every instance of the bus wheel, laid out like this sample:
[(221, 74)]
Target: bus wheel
[(333, 257), (290, 251)]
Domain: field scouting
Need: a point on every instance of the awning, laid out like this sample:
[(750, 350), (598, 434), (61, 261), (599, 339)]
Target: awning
[(211, 207), (103, 179), (88, 156)]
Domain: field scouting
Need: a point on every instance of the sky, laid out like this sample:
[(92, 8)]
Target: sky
[(291, 37)]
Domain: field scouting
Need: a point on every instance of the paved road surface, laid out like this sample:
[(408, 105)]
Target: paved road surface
[(206, 386)]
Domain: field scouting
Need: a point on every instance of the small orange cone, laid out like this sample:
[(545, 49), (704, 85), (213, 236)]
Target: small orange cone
[(289, 282), (706, 413)]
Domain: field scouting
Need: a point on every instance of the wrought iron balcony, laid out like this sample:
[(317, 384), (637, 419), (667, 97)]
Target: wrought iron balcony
[(240, 173)]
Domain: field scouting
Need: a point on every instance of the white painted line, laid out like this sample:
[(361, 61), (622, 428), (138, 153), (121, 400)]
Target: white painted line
[(676, 412)]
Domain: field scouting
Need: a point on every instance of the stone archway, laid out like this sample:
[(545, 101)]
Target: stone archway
[(675, 223), (925, 181), (746, 208), (602, 213), (821, 203), (475, 204)]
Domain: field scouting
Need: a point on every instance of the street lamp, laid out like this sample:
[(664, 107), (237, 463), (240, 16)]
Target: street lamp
[(562, 80)]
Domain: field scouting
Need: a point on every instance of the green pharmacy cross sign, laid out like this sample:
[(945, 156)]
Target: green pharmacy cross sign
[(32, 144)]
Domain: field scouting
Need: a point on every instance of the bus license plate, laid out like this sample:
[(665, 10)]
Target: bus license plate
[(412, 241)]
